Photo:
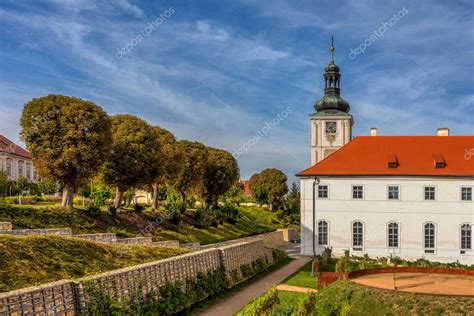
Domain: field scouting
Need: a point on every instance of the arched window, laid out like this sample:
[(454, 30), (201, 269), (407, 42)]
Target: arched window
[(322, 233), (466, 236), (357, 236), (392, 235), (429, 237)]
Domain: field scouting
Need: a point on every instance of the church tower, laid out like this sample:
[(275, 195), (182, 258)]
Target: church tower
[(331, 124)]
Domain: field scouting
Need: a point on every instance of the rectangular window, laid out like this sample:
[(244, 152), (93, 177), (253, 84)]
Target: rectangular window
[(9, 169), (323, 191), (393, 192), (393, 235), (20, 170), (466, 237), (429, 193), (28, 172), (466, 194), (357, 192)]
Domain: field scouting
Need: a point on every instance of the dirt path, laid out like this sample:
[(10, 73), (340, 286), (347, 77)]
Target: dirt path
[(237, 301), (293, 288)]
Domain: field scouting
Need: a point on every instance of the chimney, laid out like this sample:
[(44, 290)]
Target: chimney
[(373, 131), (443, 131)]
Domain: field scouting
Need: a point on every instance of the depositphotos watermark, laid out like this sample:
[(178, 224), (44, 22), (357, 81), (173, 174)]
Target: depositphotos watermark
[(263, 132), (468, 153), (142, 34), (379, 33)]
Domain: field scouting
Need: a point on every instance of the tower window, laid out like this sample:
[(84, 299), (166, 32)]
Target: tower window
[(331, 127)]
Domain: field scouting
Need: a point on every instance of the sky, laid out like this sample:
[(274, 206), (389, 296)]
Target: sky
[(221, 72)]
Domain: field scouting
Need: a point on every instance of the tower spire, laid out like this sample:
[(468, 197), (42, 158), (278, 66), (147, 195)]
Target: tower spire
[(332, 49)]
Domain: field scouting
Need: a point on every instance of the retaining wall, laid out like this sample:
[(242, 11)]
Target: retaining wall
[(69, 297), (136, 240), (106, 237), (6, 226), (167, 243), (45, 231)]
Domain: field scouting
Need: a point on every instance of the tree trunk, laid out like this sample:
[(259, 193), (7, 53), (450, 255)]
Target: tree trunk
[(154, 202), (118, 197), (183, 201), (68, 196)]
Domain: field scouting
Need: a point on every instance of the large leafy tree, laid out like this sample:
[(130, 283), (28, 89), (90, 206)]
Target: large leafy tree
[(191, 180), (172, 162), (269, 186), (222, 171), (69, 140), (134, 156), (292, 201)]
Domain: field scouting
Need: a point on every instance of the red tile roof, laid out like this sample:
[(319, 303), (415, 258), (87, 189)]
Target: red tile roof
[(246, 185), (415, 156), (7, 146)]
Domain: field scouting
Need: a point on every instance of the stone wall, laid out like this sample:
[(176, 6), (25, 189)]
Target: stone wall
[(271, 240), (57, 298), (136, 240), (106, 237), (45, 231), (191, 246), (70, 297), (167, 243)]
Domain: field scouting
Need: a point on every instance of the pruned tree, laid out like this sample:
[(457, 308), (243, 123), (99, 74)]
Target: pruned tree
[(69, 140), (269, 186), (222, 171), (172, 162), (134, 155), (191, 180)]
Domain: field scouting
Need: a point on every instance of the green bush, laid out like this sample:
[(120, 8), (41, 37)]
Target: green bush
[(93, 210), (174, 217), (263, 305), (306, 306), (112, 210), (137, 207)]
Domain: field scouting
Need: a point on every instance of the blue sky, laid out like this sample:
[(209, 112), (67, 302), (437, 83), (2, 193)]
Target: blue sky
[(217, 71)]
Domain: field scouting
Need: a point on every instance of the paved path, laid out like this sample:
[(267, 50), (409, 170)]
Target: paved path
[(237, 301), (294, 288)]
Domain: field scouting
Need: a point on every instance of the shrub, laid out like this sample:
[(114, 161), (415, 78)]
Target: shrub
[(343, 264), (137, 207), (112, 210), (263, 305), (93, 210), (278, 255), (174, 217), (306, 306)]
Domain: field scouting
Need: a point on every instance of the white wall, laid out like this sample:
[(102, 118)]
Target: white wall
[(375, 211)]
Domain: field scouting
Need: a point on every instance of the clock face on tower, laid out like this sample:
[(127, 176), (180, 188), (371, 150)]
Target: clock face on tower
[(330, 127)]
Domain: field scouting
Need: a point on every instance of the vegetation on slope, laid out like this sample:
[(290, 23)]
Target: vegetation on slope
[(32, 260), (129, 223), (346, 298)]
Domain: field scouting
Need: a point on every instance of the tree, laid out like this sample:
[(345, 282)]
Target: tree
[(3, 183), (172, 162), (135, 148), (69, 140), (235, 195), (292, 200), (191, 180), (269, 186), (222, 171), (47, 187)]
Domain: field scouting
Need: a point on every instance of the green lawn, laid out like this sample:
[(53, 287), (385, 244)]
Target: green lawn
[(32, 260), (303, 277)]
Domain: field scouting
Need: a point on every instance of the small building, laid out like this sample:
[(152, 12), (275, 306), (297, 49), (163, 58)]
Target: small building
[(405, 196), (15, 161), (246, 186)]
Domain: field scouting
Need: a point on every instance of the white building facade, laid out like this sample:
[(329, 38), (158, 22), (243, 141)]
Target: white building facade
[(15, 161), (405, 196)]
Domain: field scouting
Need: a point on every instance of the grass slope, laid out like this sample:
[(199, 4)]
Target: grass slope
[(129, 223), (346, 298), (32, 260)]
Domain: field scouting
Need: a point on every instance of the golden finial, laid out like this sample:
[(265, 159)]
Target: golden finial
[(332, 49)]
